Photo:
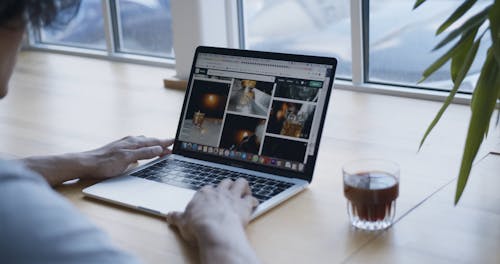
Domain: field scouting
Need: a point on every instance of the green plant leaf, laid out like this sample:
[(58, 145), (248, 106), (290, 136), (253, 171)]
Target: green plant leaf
[(471, 24), (463, 43), (418, 3), (459, 57), (486, 94), (471, 54), (459, 12)]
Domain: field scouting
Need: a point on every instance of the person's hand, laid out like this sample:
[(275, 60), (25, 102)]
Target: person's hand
[(105, 162), (112, 159), (215, 220), (216, 215)]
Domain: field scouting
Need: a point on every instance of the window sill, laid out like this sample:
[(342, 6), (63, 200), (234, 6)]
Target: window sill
[(101, 54), (401, 91)]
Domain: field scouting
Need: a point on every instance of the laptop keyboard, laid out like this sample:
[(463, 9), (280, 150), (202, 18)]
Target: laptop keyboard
[(194, 176)]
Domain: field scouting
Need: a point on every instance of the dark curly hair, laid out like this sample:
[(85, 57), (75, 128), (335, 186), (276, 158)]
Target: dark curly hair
[(17, 13)]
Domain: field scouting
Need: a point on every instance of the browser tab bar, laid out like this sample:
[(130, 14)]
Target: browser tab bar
[(262, 66)]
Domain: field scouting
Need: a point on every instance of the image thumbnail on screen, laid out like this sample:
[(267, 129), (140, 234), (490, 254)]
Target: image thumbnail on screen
[(284, 149), (291, 119), (243, 133), (203, 120), (250, 97)]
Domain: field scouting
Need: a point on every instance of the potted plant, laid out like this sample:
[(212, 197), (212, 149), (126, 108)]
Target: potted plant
[(462, 53)]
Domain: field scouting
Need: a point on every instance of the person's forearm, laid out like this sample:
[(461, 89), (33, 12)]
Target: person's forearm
[(235, 250), (56, 169)]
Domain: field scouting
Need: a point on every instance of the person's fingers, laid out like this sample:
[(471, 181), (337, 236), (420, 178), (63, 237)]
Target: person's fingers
[(174, 218), (132, 155), (165, 143), (147, 142), (251, 201), (206, 189), (240, 188), (142, 141), (225, 184), (166, 151), (245, 208), (255, 202), (168, 142), (202, 193)]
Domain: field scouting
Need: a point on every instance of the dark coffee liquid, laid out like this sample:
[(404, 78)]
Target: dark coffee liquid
[(371, 194)]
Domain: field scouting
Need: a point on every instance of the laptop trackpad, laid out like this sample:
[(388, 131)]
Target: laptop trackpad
[(163, 197), (155, 197)]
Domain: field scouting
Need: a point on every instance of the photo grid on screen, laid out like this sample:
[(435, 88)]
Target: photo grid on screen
[(260, 118)]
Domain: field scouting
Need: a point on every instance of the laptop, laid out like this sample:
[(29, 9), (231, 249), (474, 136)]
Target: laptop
[(246, 114)]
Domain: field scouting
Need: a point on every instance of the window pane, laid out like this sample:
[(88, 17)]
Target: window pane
[(401, 41), (85, 29), (145, 27), (314, 27)]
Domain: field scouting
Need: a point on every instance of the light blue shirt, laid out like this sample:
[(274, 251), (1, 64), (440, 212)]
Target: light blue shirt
[(37, 225)]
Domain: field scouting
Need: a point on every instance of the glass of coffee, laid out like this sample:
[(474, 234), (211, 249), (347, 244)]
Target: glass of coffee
[(371, 187)]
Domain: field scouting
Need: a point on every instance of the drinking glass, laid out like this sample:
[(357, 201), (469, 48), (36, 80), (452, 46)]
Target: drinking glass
[(371, 187)]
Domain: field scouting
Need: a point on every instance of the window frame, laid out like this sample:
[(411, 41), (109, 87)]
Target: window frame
[(112, 51), (232, 35), (359, 15)]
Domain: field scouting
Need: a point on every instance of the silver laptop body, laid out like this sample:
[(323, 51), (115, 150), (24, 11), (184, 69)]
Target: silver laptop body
[(250, 114)]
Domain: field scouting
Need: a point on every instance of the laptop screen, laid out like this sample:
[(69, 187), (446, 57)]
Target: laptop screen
[(255, 110)]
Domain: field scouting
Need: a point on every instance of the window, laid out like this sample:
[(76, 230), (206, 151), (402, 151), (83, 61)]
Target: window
[(314, 27), (144, 27), (377, 43), (79, 27), (401, 40), (397, 40), (117, 28)]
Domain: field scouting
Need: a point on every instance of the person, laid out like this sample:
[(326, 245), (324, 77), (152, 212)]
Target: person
[(38, 226)]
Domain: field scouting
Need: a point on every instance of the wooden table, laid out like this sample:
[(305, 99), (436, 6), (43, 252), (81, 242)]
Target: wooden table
[(62, 104)]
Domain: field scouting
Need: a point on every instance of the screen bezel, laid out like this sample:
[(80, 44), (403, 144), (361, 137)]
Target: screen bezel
[(311, 163)]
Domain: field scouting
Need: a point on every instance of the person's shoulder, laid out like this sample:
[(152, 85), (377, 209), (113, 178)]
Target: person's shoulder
[(12, 170)]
